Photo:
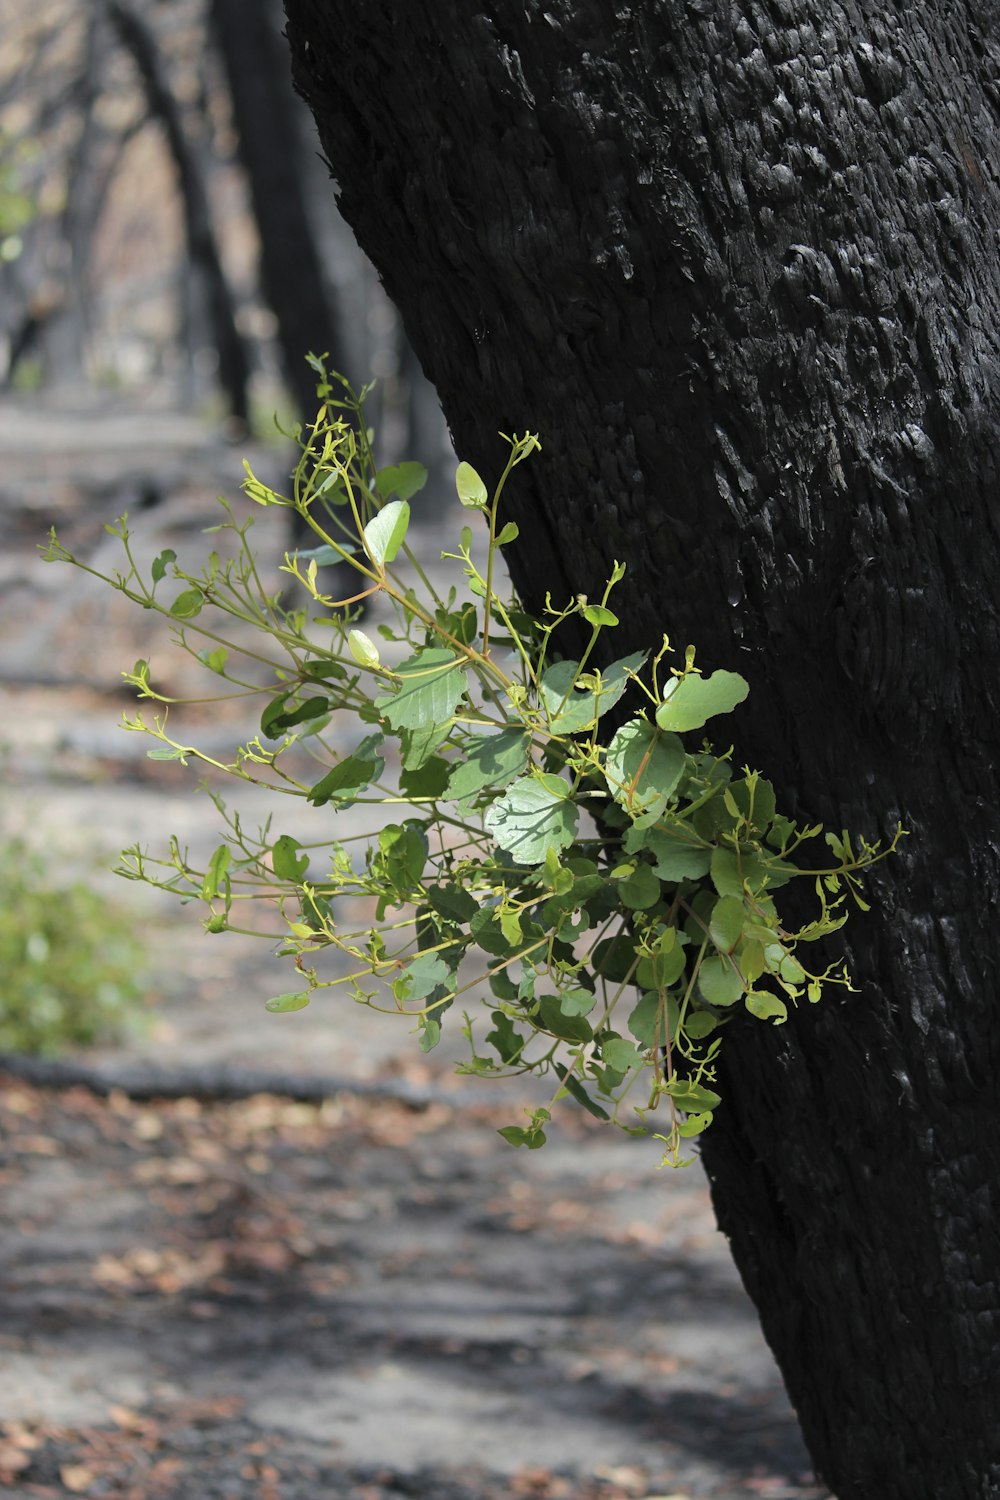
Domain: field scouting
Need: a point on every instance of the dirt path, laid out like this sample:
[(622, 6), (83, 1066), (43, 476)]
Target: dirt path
[(269, 1300)]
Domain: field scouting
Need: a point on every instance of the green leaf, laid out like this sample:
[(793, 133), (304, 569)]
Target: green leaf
[(488, 933), (640, 890), (290, 1000), (404, 849), (472, 491), (320, 668), (519, 1135), (188, 604), (576, 1090), (159, 568), (719, 981), (215, 660), (692, 1097), (598, 615), (531, 818), (433, 682), (660, 970), (642, 768), (489, 760), (766, 1007), (386, 532), (402, 480), (700, 1024), (676, 856), (363, 649), (696, 699), (620, 1054), (350, 775), (577, 1002), (430, 1033), (509, 533), (426, 973), (285, 860), (613, 957), (645, 1022), (507, 1042), (452, 902), (276, 719), (418, 745), (324, 556), (216, 874), (726, 923), (726, 874), (616, 678), (553, 1019), (570, 711), (429, 779)]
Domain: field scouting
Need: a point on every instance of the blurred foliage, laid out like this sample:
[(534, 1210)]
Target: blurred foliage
[(70, 963)]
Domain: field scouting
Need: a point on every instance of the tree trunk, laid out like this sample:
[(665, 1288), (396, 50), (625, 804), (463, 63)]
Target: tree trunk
[(254, 56), (203, 252), (737, 264)]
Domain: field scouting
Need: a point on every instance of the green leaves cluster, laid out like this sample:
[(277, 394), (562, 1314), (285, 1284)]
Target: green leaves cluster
[(615, 877)]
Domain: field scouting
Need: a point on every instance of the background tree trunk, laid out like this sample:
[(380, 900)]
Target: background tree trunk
[(737, 264), (248, 33), (203, 252)]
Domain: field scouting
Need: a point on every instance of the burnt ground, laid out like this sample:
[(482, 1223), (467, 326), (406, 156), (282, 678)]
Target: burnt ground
[(269, 1299)]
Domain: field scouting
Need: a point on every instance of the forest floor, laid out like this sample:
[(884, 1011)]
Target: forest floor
[(369, 1295)]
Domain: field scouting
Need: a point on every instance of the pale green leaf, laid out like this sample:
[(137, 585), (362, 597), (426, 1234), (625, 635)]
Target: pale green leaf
[(599, 614), (570, 711), (188, 604), (290, 1000), (471, 490), (529, 820), (642, 767), (694, 700), (386, 532), (620, 1054), (432, 683), (766, 1007), (363, 649)]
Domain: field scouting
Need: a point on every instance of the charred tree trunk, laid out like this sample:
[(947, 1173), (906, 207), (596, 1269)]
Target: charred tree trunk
[(737, 264), (203, 251)]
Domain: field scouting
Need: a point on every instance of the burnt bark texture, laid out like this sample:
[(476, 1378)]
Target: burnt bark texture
[(736, 262)]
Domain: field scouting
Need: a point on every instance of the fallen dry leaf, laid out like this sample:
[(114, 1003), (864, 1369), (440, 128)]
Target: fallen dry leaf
[(76, 1477)]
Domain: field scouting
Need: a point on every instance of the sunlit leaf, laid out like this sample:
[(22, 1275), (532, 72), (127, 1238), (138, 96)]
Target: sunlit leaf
[(694, 700), (472, 491), (643, 767), (489, 760), (386, 532), (530, 818), (432, 684)]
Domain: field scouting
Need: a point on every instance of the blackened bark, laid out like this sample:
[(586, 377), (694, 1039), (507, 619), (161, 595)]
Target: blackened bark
[(737, 263), (203, 252)]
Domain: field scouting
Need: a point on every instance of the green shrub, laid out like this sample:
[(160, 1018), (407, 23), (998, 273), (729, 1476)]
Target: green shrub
[(68, 961)]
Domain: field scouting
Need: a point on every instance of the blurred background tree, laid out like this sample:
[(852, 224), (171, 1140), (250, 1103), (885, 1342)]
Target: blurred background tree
[(166, 223)]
